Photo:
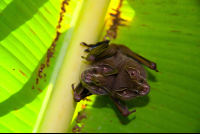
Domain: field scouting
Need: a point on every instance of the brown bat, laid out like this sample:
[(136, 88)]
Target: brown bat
[(115, 71)]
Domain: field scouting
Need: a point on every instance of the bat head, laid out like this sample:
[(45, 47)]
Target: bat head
[(97, 79), (133, 83)]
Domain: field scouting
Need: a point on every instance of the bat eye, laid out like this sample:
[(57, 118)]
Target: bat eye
[(92, 84), (141, 81), (135, 91), (94, 71)]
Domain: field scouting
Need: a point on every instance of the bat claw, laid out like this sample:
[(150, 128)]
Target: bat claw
[(126, 113), (87, 50), (83, 57), (83, 43), (73, 87)]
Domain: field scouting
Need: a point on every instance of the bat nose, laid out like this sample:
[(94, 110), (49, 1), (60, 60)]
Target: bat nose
[(145, 90), (88, 78)]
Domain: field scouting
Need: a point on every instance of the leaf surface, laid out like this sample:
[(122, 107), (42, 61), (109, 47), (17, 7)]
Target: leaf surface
[(28, 29), (166, 32)]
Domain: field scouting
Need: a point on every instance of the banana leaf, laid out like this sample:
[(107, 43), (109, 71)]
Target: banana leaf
[(165, 32)]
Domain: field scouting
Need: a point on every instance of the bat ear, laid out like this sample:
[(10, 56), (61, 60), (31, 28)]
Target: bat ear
[(132, 72), (108, 70)]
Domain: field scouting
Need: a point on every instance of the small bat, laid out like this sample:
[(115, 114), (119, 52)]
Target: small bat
[(115, 71)]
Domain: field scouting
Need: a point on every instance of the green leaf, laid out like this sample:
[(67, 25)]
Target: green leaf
[(27, 31), (166, 32)]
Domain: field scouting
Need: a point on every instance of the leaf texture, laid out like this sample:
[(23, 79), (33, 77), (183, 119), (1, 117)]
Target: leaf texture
[(27, 31), (165, 32)]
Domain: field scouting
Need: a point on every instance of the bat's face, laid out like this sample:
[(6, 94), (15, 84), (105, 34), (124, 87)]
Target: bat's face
[(134, 84), (96, 78)]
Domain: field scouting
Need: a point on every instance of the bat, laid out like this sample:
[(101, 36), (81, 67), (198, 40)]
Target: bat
[(115, 71)]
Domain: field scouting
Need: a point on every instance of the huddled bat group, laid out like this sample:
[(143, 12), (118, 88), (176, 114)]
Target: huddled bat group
[(115, 71)]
